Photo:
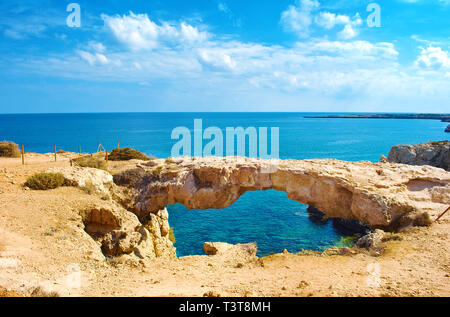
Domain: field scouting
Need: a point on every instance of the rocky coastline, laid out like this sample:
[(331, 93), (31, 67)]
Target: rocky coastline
[(121, 226)]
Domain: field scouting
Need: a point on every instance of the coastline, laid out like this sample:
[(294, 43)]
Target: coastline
[(43, 231)]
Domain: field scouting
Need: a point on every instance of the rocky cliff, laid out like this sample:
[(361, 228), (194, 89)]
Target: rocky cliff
[(380, 195), (433, 153), (133, 219)]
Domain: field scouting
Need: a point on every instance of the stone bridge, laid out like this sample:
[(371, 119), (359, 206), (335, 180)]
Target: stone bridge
[(378, 194)]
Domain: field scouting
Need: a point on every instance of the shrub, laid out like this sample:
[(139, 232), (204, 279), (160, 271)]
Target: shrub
[(90, 161), (423, 220), (127, 154), (172, 236), (9, 149), (45, 181), (89, 188)]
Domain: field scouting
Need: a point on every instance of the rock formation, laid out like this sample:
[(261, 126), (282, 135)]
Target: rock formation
[(117, 230), (433, 153), (100, 180), (377, 194), (447, 129)]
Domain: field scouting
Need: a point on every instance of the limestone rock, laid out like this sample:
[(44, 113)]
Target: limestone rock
[(235, 255), (377, 194), (372, 240), (119, 232), (447, 129), (85, 176), (433, 153), (213, 248)]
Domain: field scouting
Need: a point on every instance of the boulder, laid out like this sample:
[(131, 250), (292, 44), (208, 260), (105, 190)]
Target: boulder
[(435, 154), (77, 176), (372, 240)]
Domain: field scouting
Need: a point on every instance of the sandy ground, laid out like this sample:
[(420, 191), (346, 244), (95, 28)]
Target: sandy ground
[(43, 243)]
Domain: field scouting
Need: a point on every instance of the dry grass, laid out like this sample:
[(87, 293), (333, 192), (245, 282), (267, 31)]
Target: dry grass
[(127, 154), (90, 161), (45, 181), (423, 220), (39, 292), (9, 149)]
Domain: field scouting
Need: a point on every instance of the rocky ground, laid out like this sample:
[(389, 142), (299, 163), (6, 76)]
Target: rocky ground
[(44, 245)]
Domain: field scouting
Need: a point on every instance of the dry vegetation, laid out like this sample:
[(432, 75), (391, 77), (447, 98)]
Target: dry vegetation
[(127, 154), (45, 181), (9, 149), (91, 161)]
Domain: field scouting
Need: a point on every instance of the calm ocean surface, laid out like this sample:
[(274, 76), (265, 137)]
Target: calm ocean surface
[(269, 218)]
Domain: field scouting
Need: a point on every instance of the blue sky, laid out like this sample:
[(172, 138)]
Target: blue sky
[(225, 55)]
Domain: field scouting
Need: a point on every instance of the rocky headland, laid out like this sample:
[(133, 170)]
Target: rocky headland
[(419, 116), (114, 226), (432, 153)]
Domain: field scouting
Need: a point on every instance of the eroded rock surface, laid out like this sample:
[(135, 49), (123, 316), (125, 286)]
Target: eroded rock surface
[(377, 194), (433, 153), (100, 180), (119, 232)]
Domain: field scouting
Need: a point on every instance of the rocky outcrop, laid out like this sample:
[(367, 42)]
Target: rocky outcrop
[(236, 255), (433, 153), (119, 232), (447, 129), (377, 194), (100, 180)]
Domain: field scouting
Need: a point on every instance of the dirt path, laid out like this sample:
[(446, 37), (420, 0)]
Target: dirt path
[(43, 243)]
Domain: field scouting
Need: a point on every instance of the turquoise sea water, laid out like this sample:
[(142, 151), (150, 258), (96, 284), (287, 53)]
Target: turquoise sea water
[(269, 217)]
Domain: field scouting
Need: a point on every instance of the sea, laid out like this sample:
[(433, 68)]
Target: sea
[(268, 218)]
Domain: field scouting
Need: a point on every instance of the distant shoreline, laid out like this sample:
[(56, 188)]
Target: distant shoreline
[(442, 117)]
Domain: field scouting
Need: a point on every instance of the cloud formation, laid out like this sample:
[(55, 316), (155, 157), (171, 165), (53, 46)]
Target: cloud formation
[(305, 14), (138, 32)]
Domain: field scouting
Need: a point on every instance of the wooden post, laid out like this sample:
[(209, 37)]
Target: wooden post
[(71, 163), (55, 152), (118, 145), (442, 214), (23, 156)]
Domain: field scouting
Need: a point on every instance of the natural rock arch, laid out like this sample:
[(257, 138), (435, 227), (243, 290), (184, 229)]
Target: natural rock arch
[(378, 194)]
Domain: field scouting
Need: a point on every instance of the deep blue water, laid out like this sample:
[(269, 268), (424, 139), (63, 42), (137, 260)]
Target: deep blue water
[(269, 218)]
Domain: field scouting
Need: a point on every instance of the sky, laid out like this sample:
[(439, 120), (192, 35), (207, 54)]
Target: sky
[(225, 55)]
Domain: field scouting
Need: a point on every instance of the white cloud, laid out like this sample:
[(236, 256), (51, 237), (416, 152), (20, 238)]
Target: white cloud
[(93, 59), (298, 18), (138, 32), (330, 20), (301, 17), (433, 58)]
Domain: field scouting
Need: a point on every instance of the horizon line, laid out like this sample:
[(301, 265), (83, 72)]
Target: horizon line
[(186, 112)]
